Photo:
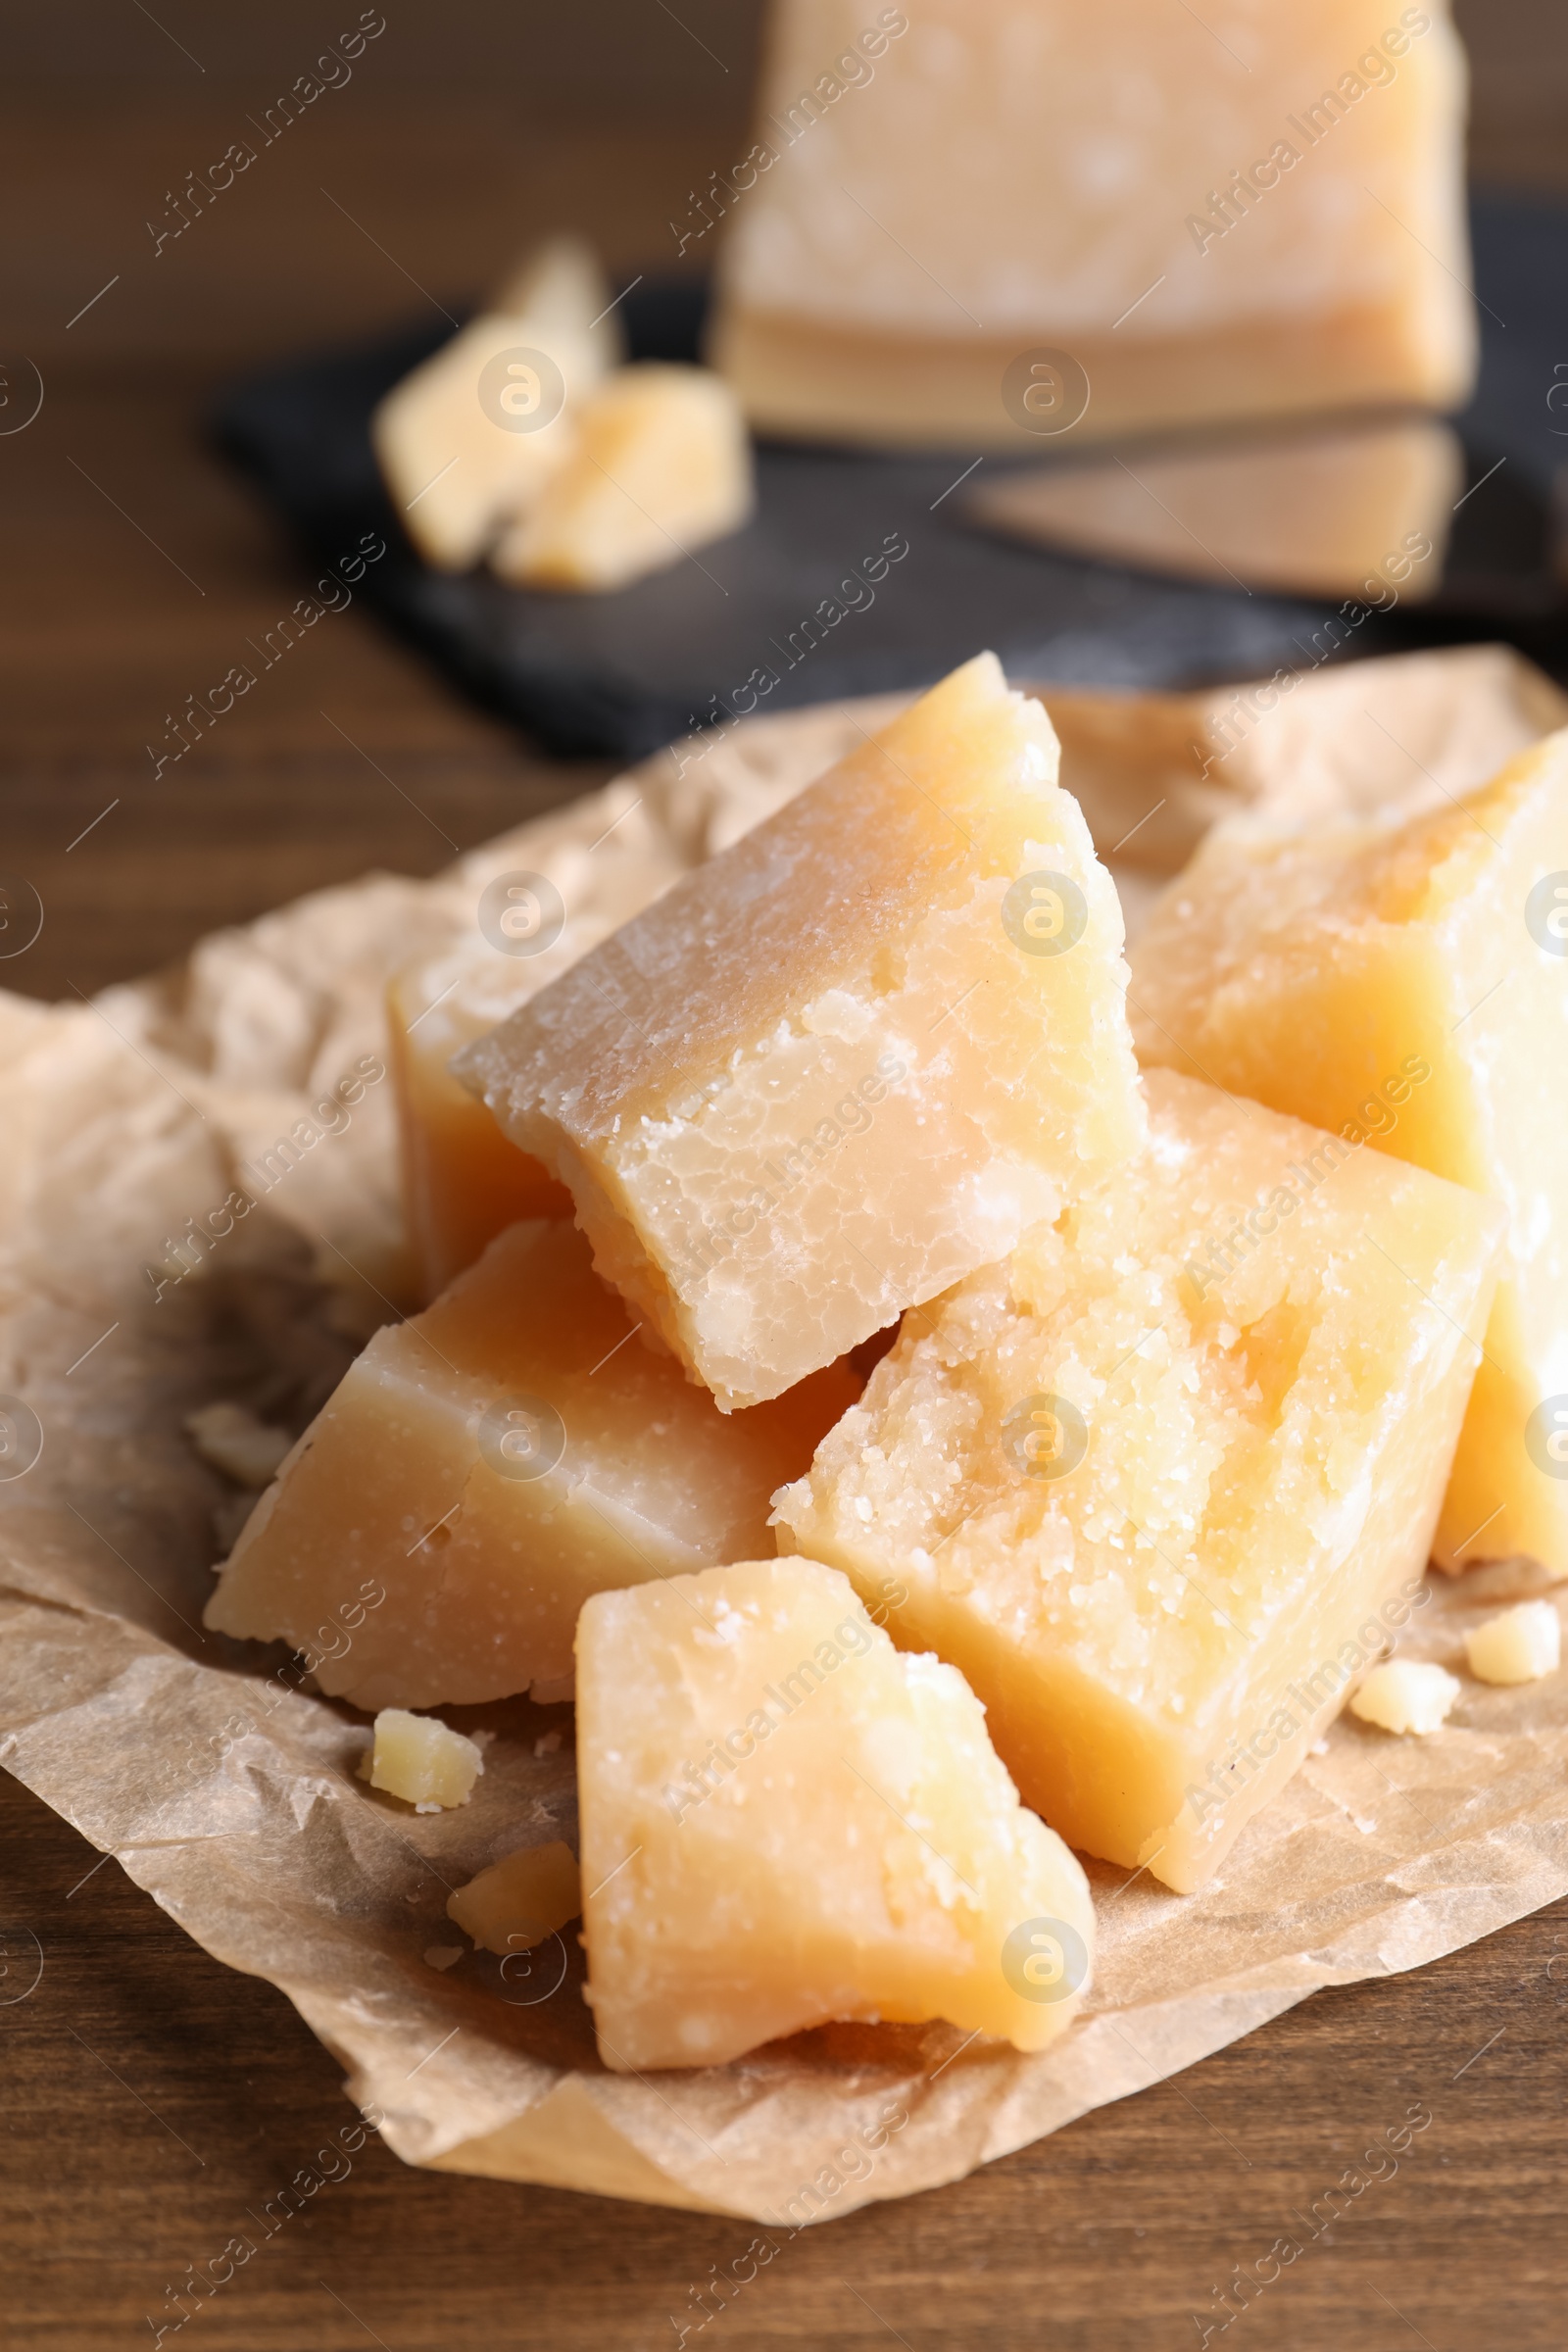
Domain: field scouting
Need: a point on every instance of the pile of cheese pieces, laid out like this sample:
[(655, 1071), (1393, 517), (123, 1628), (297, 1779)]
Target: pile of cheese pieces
[(928, 1405), (523, 440)]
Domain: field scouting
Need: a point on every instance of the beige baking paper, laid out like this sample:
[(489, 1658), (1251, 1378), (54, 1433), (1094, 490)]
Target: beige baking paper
[(229, 1792)]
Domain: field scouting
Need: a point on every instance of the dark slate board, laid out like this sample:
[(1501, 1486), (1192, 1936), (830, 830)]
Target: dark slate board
[(622, 674)]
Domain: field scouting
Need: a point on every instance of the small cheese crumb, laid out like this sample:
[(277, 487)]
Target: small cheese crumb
[(1406, 1695), (519, 1901), (1519, 1646), (233, 1441), (443, 1955), (419, 1758), (547, 1743)]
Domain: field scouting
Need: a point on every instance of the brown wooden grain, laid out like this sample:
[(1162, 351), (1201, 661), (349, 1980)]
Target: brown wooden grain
[(153, 2098)]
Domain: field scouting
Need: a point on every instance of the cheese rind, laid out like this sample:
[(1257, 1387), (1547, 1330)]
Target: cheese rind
[(1209, 223), (784, 1822), (1406, 986), (846, 1061), (1158, 1516), (487, 1465)]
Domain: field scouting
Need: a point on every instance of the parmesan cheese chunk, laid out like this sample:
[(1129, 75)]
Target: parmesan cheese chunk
[(1406, 988), (1518, 1646), (1162, 1514), (989, 219), (1406, 1695), (660, 464), (519, 1900), (470, 438), (846, 1061), (484, 1467), (427, 1763), (785, 1822)]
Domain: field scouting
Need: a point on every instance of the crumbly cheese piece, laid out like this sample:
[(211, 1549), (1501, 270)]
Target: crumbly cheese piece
[(463, 1181), (1518, 1646), (1405, 988), (1158, 1513), (457, 439), (427, 1763), (1202, 220), (1358, 510), (231, 1437), (484, 1467), (519, 1900), (660, 464), (847, 1061), (1406, 1695), (786, 1822)]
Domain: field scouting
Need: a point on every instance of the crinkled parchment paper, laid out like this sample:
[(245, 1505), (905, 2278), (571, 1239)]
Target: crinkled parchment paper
[(227, 1790)]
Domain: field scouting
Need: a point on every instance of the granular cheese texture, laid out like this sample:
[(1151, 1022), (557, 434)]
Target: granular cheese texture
[(785, 1822), (848, 1060), (1157, 1513), (1518, 1646), (1406, 988)]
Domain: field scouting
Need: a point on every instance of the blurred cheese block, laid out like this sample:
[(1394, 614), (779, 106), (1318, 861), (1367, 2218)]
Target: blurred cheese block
[(1406, 732), (1152, 1509), (470, 438), (784, 1822), (519, 1900), (1359, 511), (463, 1181), (661, 463), (489, 1464), (847, 1061), (1408, 985), (1013, 207)]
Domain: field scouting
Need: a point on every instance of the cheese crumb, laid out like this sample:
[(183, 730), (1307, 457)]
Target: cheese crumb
[(233, 1441), (419, 1758), (1518, 1646), (519, 1901), (1406, 1695)]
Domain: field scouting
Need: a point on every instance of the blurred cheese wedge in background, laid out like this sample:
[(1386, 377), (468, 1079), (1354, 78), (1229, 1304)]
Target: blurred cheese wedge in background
[(463, 1181), (784, 1822), (1359, 511), (1407, 986), (986, 220), (1409, 731), (1150, 1483), (848, 1060), (660, 464), (485, 1467), (470, 436)]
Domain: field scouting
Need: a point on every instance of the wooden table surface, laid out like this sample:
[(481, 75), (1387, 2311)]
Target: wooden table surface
[(151, 2096)]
